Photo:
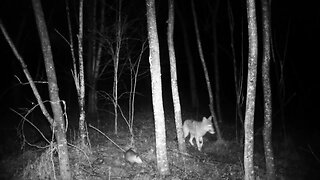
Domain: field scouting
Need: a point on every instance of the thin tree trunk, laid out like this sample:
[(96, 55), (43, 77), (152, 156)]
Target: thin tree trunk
[(92, 99), (251, 91), (133, 86), (281, 85), (92, 60), (267, 131), (216, 75), (28, 75), (237, 75), (155, 70), (16, 93), (58, 125), (174, 83), (116, 65), (97, 63), (82, 125), (211, 105), (94, 57), (216, 61), (191, 74)]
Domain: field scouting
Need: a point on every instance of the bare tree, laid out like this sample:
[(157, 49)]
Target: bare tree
[(279, 70), (32, 84), (134, 72), (99, 44), (214, 12), (58, 124), (156, 85), (191, 74), (267, 131), (80, 82), (116, 58), (28, 75), (205, 70), (174, 83), (96, 69), (251, 91), (92, 58), (237, 75), (78, 73)]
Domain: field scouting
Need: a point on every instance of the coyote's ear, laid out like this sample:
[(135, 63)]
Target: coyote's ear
[(209, 118), (204, 118)]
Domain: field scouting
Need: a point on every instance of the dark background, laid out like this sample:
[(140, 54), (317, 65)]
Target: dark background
[(295, 33)]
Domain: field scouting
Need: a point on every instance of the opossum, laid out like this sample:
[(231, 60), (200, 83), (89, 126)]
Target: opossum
[(132, 157)]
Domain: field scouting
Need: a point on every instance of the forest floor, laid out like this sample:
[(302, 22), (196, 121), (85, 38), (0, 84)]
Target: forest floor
[(106, 161)]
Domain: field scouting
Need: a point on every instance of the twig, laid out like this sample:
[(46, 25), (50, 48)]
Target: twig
[(314, 155), (107, 137), (25, 119), (81, 151), (26, 72)]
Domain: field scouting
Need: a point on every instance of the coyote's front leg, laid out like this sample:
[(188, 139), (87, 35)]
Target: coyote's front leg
[(199, 141), (191, 140)]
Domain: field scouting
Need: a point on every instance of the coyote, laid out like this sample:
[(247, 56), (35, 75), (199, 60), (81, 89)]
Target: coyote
[(197, 130)]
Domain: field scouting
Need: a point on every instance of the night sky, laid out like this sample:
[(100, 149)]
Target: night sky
[(295, 31)]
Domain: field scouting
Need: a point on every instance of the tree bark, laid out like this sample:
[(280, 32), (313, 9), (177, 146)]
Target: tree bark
[(174, 83), (81, 93), (116, 59), (251, 91), (267, 131), (58, 124), (156, 85)]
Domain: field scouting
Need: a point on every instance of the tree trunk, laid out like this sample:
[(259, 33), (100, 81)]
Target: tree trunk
[(82, 124), (211, 105), (267, 131), (96, 69), (92, 59), (155, 70), (28, 75), (216, 62), (116, 65), (94, 56), (58, 125), (92, 99), (174, 83), (251, 91), (237, 76), (191, 74), (281, 84)]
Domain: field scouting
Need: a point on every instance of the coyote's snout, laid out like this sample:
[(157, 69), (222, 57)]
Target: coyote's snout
[(197, 130)]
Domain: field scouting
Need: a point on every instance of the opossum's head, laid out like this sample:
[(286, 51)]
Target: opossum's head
[(132, 157)]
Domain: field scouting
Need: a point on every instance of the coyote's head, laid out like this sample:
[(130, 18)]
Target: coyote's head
[(207, 124)]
